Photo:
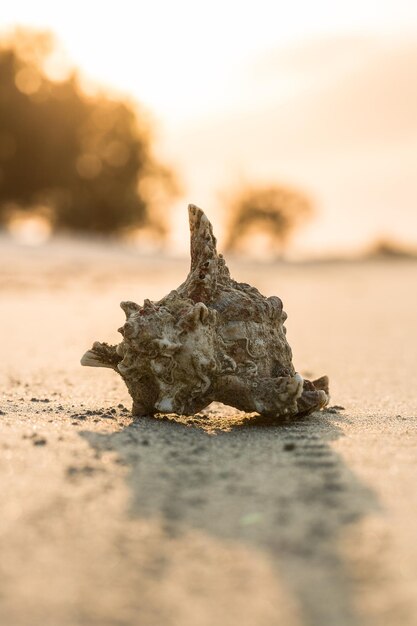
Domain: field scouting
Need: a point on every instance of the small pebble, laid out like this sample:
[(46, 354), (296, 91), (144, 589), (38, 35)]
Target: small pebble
[(289, 446), (39, 441)]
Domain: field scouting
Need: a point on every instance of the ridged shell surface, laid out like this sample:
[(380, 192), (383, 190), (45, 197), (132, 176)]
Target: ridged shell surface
[(211, 339)]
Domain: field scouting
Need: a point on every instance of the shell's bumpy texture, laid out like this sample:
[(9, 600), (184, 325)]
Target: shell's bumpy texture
[(212, 339)]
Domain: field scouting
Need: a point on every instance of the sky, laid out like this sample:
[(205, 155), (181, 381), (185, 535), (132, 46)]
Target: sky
[(308, 93), (177, 56)]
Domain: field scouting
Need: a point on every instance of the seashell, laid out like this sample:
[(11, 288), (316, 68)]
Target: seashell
[(211, 339)]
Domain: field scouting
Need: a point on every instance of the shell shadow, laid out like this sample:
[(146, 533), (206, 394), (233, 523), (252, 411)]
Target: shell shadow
[(280, 488)]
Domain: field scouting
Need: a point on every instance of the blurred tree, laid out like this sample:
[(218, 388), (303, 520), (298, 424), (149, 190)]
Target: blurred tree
[(274, 210), (85, 158), (387, 248)]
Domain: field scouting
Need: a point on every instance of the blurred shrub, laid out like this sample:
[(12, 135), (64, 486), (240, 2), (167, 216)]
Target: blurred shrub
[(389, 249), (273, 210), (85, 159)]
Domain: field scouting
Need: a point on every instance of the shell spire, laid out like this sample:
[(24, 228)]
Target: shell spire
[(202, 240), (208, 268)]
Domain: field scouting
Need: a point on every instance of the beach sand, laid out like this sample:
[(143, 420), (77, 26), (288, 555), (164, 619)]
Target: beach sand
[(220, 518)]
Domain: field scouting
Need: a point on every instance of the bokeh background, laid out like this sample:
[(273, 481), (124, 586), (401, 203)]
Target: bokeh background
[(292, 124)]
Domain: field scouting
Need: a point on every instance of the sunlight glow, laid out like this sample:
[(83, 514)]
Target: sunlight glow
[(316, 94), (30, 230), (181, 57)]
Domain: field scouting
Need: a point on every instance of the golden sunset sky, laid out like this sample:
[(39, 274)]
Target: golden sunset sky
[(321, 95)]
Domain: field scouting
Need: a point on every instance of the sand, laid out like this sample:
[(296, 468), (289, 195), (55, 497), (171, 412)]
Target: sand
[(221, 518)]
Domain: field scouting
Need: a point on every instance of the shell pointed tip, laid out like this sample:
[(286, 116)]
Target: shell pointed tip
[(194, 211), (88, 359), (92, 359)]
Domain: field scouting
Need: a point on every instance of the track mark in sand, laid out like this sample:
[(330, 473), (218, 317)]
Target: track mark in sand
[(280, 489)]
